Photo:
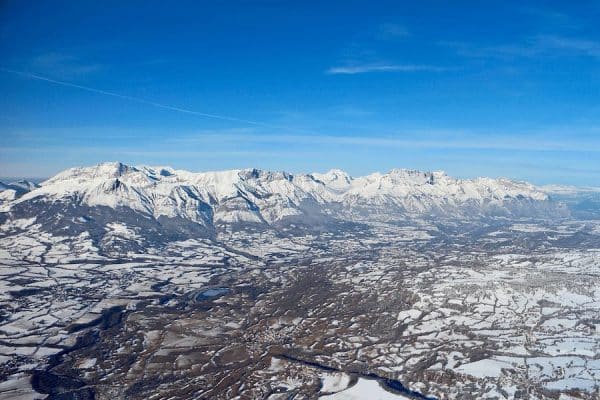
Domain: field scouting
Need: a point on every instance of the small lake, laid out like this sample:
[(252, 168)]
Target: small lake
[(212, 292)]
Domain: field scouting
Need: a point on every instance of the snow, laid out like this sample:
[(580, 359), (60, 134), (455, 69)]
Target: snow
[(256, 196), (529, 228), (17, 386), (484, 368), (334, 382), (365, 389)]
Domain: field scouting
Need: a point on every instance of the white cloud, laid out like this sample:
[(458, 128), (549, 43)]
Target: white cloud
[(365, 68)]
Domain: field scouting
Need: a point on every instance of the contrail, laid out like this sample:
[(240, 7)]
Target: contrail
[(142, 101)]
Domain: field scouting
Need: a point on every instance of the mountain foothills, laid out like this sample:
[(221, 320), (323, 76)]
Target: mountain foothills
[(177, 203)]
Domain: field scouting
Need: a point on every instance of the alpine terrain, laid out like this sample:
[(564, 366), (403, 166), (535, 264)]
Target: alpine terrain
[(140, 282)]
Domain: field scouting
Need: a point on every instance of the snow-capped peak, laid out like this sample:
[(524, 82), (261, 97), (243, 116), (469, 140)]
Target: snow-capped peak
[(258, 196)]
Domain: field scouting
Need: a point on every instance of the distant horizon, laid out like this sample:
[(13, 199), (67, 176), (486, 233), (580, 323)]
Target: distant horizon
[(214, 86)]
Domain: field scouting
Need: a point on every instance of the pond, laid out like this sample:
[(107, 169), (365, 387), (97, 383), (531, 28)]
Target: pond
[(212, 292)]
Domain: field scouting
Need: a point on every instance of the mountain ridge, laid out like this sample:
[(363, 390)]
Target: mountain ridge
[(400, 182), (209, 201)]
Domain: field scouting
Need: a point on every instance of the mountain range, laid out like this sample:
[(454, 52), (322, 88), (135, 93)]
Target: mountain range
[(181, 203)]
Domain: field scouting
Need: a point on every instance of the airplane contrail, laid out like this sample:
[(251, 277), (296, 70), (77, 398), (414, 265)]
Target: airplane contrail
[(142, 101)]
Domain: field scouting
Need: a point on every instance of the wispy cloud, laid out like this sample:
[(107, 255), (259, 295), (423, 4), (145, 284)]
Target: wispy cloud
[(392, 31), (575, 45), (362, 56), (428, 140), (550, 17), (366, 68), (351, 111), (63, 65), (534, 46)]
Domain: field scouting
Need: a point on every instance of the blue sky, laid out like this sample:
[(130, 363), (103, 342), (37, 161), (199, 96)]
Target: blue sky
[(473, 88)]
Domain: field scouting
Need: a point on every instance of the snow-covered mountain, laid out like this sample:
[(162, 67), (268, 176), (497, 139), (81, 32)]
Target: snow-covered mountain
[(14, 190), (210, 200)]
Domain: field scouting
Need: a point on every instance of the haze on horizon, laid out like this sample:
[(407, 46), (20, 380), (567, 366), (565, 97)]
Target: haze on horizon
[(494, 89)]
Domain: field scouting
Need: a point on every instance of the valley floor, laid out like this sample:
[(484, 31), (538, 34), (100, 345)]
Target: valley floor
[(419, 310)]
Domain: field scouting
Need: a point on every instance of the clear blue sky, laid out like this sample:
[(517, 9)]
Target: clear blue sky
[(495, 88)]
